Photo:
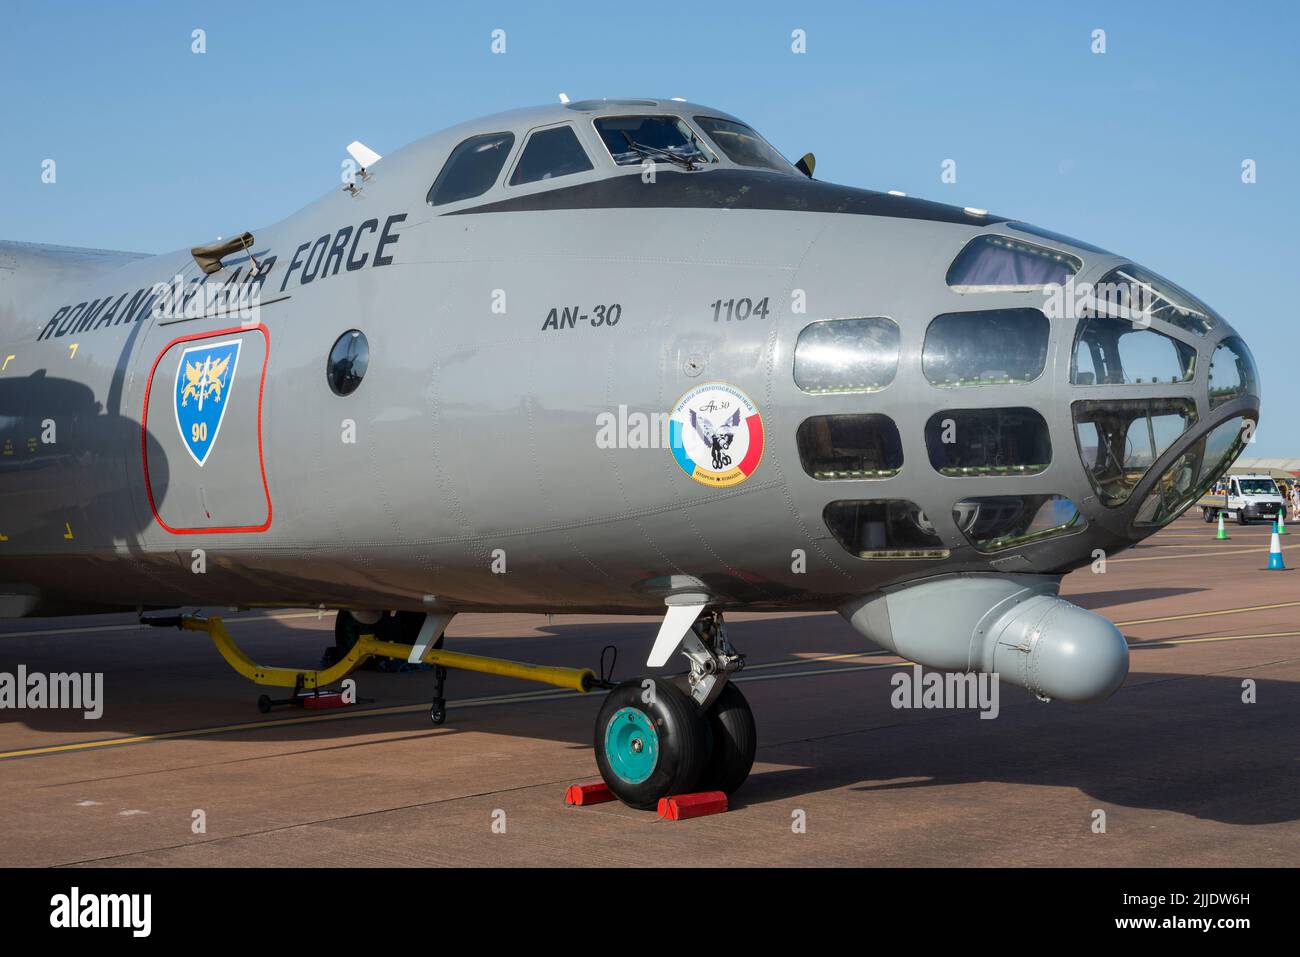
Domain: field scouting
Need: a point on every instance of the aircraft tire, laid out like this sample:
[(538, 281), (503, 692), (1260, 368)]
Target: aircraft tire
[(734, 740), (649, 750)]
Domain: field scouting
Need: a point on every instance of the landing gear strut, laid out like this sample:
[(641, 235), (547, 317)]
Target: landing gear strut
[(657, 737)]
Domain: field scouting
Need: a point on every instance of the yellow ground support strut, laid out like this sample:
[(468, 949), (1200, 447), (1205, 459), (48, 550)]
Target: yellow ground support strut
[(368, 646)]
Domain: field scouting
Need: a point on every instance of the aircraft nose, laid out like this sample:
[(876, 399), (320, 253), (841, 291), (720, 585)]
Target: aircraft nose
[(1166, 397)]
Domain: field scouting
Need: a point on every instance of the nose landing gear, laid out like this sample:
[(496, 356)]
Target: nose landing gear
[(658, 737)]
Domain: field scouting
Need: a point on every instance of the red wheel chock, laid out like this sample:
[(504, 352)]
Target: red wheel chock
[(580, 795), (681, 807)]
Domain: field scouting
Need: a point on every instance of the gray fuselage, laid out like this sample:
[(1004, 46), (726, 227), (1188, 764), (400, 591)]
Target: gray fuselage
[(467, 469)]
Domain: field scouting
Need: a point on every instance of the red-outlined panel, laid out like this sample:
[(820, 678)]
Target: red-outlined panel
[(261, 462)]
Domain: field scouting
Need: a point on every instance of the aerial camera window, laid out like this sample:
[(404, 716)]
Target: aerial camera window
[(632, 140)]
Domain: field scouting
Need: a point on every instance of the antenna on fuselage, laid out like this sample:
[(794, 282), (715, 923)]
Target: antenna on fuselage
[(365, 158)]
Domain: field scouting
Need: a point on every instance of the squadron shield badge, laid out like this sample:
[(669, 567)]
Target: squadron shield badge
[(204, 377), (716, 435)]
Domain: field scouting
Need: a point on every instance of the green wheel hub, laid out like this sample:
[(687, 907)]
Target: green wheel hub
[(631, 745)]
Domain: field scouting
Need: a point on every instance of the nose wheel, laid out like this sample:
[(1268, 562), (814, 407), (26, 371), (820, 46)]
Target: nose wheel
[(652, 741)]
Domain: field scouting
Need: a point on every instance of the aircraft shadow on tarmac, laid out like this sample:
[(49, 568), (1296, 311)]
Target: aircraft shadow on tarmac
[(1126, 596), (1167, 741)]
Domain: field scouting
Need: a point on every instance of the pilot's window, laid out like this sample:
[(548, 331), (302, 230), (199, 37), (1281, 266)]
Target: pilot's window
[(1117, 352), (659, 139), (1232, 372), (471, 169), (742, 145), (851, 446), (347, 362), (999, 264), (996, 347), (1192, 474), (550, 153), (846, 355), (1133, 293), (1004, 521), (884, 529), (975, 443), (1120, 439)]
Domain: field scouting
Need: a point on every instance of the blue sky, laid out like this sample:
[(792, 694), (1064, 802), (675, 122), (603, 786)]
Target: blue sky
[(1138, 149)]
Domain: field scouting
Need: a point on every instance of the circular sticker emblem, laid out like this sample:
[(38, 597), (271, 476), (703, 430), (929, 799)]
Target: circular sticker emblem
[(716, 434)]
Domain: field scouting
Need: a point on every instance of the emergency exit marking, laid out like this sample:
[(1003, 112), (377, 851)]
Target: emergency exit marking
[(8, 359), (68, 533), (72, 350)]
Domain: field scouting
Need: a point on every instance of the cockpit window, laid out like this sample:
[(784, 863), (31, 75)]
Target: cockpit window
[(471, 169), (1117, 352), (1005, 521), (550, 153), (1120, 439), (1000, 264), (846, 355), (997, 347), (742, 145), (1232, 372), (660, 139), (1133, 293), (883, 529), (1193, 474)]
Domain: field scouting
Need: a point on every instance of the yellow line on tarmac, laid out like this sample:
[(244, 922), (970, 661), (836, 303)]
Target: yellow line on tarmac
[(1207, 614), (136, 626), (1153, 642), (546, 695), (280, 722), (513, 697), (1219, 552)]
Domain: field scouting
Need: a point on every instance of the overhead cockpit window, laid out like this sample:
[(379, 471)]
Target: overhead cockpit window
[(548, 154), (1133, 293), (471, 169), (975, 443), (1120, 439), (850, 446), (1232, 372), (1057, 237), (632, 140), (999, 264), (742, 145), (997, 347), (1193, 474), (1117, 352), (1005, 521), (883, 529), (846, 355)]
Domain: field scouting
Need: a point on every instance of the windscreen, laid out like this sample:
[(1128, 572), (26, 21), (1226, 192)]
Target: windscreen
[(659, 139)]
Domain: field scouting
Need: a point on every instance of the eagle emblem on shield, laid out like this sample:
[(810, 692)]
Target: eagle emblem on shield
[(204, 376)]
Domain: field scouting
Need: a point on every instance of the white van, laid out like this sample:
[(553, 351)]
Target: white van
[(1243, 497)]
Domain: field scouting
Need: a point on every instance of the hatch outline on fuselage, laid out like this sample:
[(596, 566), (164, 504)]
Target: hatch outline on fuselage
[(261, 458)]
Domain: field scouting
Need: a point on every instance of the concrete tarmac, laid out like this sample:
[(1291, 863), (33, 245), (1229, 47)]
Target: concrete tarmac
[(1179, 768)]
